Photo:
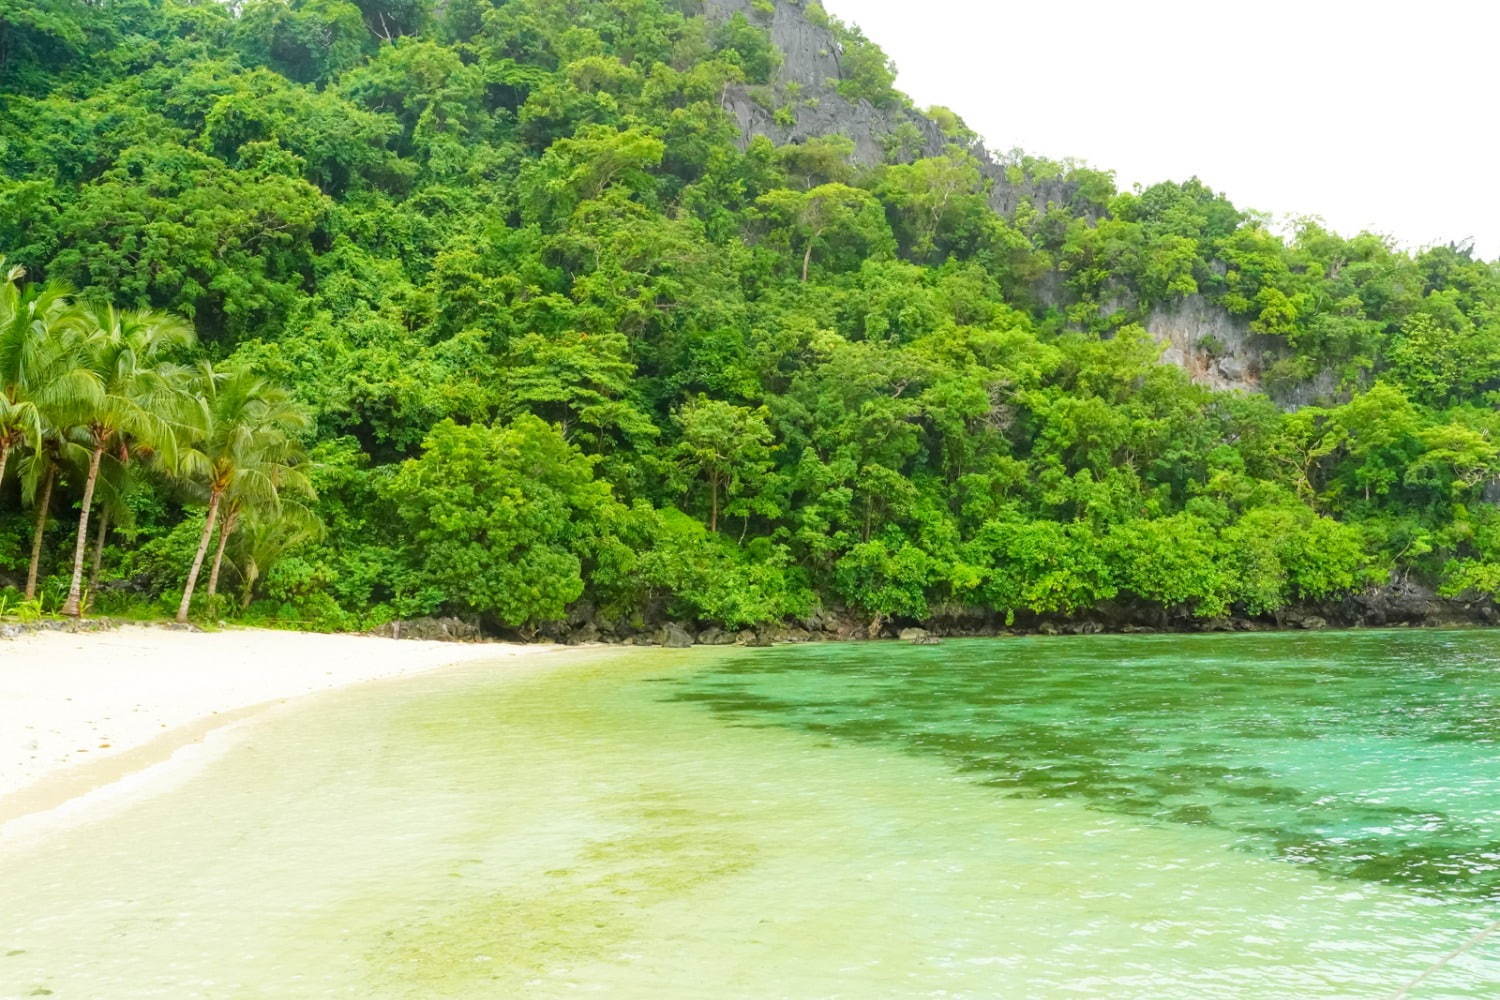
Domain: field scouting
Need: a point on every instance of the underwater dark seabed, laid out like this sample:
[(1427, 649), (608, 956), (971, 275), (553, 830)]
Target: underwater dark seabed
[(1370, 755), (1156, 817)]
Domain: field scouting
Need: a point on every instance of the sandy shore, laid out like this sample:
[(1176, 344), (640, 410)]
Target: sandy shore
[(71, 703)]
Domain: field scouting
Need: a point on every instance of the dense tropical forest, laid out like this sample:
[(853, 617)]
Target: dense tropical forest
[(383, 309)]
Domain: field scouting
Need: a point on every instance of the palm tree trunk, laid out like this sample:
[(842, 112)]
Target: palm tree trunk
[(4, 458), (41, 526), (74, 605), (192, 580), (213, 574), (98, 563)]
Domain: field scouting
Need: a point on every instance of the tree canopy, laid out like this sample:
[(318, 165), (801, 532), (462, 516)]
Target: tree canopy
[(502, 315)]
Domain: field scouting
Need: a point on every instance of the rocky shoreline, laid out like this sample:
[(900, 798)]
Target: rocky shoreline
[(14, 630), (1396, 605)]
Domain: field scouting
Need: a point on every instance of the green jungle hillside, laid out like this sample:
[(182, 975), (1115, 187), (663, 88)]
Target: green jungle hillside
[(583, 318)]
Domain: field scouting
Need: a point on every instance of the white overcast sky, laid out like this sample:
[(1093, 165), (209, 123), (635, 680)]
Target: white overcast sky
[(1371, 115)]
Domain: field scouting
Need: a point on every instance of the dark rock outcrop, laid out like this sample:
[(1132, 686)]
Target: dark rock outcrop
[(715, 636), (1406, 602), (585, 633), (439, 629), (674, 636)]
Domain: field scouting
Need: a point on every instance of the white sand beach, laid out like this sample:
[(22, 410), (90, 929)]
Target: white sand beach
[(81, 710)]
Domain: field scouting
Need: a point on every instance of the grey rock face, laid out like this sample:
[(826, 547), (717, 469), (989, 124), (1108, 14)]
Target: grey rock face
[(809, 53), (1406, 602), (811, 61), (586, 633), (438, 629), (1220, 351), (713, 636), (1214, 348), (674, 637)]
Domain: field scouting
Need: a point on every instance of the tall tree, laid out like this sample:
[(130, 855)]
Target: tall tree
[(36, 348), (501, 521), (243, 452), (43, 503), (117, 477), (136, 399), (40, 472), (814, 218), (577, 381), (729, 447)]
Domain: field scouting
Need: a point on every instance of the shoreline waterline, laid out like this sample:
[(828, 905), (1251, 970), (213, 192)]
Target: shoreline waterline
[(147, 760), (102, 717)]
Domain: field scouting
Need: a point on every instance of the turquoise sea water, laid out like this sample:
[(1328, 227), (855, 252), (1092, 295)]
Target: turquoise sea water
[(1270, 816), (1371, 756)]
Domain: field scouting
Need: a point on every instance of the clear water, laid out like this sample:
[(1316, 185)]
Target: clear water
[(1151, 817), (1369, 755)]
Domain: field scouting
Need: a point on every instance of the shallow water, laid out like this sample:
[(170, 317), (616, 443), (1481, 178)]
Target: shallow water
[(1153, 817)]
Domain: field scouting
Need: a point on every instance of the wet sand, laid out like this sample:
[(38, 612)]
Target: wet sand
[(82, 711)]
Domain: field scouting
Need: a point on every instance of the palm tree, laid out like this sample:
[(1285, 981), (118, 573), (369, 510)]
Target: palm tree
[(136, 400), (283, 515), (43, 504), (262, 541), (38, 358), (244, 455), (55, 457), (117, 478), (39, 474), (42, 368)]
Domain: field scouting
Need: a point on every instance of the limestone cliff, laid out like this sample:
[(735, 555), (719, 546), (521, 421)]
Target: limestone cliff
[(803, 101), (1220, 351), (807, 100)]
